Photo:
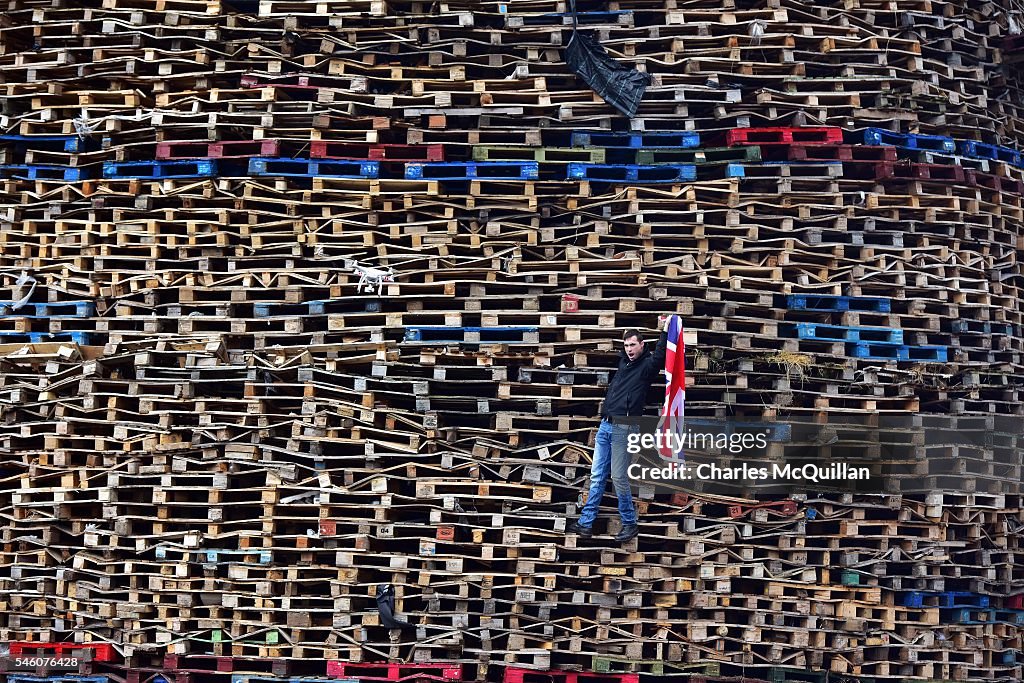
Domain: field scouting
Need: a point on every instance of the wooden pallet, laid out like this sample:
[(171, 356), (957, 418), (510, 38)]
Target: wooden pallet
[(235, 440)]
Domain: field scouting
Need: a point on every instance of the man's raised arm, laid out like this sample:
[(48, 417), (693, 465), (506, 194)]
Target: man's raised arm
[(658, 355)]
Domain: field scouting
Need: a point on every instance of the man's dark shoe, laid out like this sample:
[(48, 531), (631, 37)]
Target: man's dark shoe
[(628, 533), (584, 531)]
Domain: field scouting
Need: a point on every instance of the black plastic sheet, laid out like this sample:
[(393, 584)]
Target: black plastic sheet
[(620, 86), (386, 607)]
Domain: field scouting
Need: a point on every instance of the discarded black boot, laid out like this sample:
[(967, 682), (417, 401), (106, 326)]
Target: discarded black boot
[(386, 607)]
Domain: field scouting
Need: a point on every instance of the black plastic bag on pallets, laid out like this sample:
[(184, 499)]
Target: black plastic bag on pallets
[(386, 607), (620, 86)]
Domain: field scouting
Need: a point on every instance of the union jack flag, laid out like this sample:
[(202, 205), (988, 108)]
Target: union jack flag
[(675, 387)]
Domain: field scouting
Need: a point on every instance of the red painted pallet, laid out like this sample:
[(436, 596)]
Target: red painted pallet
[(1013, 44), (832, 153), (881, 170), (301, 83), (183, 149), (326, 149), (307, 87), (236, 149), (391, 671), (680, 499), (232, 149), (993, 182), (200, 663), (784, 508), (914, 171), (867, 170), (102, 652), (407, 152), (816, 135), (519, 675)]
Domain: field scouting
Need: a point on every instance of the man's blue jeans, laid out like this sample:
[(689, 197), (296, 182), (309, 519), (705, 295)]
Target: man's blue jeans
[(610, 459)]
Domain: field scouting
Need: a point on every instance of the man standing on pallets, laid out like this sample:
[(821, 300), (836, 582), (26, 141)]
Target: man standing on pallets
[(627, 394)]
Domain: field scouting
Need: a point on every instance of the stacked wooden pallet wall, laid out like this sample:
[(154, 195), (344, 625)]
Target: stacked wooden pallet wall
[(307, 297)]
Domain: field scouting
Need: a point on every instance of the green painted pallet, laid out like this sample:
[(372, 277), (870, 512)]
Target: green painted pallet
[(269, 638), (850, 578), (785, 674), (655, 667)]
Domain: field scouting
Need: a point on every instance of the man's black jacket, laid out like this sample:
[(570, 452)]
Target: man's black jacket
[(627, 392)]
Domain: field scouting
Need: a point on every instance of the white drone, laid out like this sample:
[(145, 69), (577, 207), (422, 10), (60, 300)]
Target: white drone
[(370, 278)]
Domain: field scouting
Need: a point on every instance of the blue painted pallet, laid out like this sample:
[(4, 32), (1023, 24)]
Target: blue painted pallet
[(472, 335), (842, 333), (158, 170), (898, 352), (930, 143), (981, 327), (1010, 616), (66, 309), (219, 556), (81, 338), (632, 173), (962, 599), (43, 172), (308, 168), (264, 678), (62, 309), (215, 555), (654, 138), (914, 598), (833, 302), (67, 143), (562, 18), (69, 678), (981, 150), (335, 168), (730, 171), (473, 170), (271, 309), (978, 615), (321, 307), (945, 599), (934, 354), (981, 615)]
